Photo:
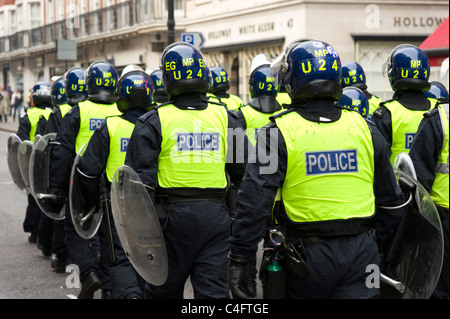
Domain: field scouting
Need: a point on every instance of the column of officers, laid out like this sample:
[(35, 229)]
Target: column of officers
[(221, 202)]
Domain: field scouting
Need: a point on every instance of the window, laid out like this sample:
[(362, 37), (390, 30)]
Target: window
[(371, 55), (12, 22), (35, 15)]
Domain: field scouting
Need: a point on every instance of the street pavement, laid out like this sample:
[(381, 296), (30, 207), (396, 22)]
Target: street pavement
[(10, 126)]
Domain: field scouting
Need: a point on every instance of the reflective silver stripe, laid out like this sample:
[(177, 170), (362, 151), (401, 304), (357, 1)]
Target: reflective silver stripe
[(445, 107), (442, 168)]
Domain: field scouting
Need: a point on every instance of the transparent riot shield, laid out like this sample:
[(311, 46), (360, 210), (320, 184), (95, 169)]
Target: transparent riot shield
[(404, 164), (138, 226), (86, 220), (23, 156), (13, 162), (39, 176), (414, 262)]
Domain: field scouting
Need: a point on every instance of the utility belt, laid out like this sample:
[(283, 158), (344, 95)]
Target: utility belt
[(164, 201)]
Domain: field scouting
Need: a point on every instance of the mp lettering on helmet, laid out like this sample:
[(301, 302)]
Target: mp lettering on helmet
[(331, 162), (189, 142), (95, 123), (124, 144)]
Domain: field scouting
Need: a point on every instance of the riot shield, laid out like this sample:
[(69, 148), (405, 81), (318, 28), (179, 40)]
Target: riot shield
[(39, 176), (23, 156), (413, 264), (86, 220), (13, 162), (404, 164), (138, 226)]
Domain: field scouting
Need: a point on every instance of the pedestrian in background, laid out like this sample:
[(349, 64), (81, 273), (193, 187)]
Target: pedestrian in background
[(4, 105), (16, 102)]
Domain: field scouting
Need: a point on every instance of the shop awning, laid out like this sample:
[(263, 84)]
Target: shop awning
[(436, 45)]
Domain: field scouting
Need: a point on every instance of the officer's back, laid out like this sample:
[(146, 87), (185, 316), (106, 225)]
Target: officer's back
[(180, 150)]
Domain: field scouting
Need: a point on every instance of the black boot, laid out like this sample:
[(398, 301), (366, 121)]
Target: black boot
[(89, 285)]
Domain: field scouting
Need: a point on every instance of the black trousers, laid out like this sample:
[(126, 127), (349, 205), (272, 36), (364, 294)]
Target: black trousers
[(32, 216), (337, 270), (196, 236)]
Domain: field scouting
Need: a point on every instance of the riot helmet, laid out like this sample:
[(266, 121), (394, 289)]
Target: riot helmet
[(220, 81), (101, 80), (58, 92), (157, 82), (76, 89), (183, 69), (134, 90), (353, 75), (309, 69), (355, 99), (437, 91), (407, 68), (41, 94), (261, 82)]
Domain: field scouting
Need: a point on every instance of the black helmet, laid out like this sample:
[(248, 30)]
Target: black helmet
[(310, 69), (58, 92), (134, 90), (353, 75), (261, 82), (220, 81), (41, 94), (101, 80), (76, 88), (183, 69), (408, 68)]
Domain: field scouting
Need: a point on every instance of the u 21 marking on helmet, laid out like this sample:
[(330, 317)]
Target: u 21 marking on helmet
[(331, 162), (187, 142), (95, 123)]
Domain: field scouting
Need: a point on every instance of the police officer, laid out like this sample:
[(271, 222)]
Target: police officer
[(105, 153), (28, 124), (76, 129), (160, 95), (179, 149), (220, 85), (328, 204), (51, 232), (353, 75), (408, 69), (75, 91), (355, 99), (429, 154), (437, 91), (263, 104)]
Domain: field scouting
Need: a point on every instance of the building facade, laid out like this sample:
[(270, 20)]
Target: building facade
[(135, 32)]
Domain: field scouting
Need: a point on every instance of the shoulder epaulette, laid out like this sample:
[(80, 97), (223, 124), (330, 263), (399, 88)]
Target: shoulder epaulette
[(272, 118), (434, 110), (146, 115), (379, 112)]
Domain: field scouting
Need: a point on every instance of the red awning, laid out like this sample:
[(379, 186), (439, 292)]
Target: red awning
[(436, 45)]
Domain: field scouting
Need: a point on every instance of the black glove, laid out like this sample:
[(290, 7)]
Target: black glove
[(239, 280)]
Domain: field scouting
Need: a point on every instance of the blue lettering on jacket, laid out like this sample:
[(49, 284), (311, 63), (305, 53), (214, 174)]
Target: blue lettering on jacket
[(331, 162), (124, 144), (95, 123), (188, 142), (409, 139)]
